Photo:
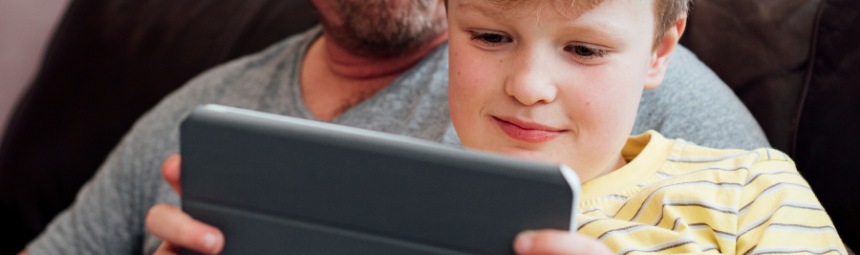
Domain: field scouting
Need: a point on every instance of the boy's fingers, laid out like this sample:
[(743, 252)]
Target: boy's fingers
[(557, 242), (170, 172), (177, 229)]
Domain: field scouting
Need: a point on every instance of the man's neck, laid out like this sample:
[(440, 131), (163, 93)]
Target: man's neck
[(348, 65), (334, 80)]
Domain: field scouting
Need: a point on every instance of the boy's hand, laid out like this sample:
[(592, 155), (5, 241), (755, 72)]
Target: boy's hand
[(557, 242), (175, 227)]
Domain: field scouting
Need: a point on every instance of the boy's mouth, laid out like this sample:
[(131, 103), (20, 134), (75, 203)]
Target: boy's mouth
[(526, 131)]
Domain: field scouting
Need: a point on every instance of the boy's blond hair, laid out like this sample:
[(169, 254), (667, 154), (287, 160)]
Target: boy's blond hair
[(667, 12)]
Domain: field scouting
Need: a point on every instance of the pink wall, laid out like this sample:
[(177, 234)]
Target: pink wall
[(25, 28)]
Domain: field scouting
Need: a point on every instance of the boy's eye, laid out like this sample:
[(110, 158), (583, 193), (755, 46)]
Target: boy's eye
[(490, 38), (585, 52), (493, 38)]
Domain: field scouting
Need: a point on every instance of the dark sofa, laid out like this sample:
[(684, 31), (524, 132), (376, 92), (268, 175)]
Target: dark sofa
[(794, 63)]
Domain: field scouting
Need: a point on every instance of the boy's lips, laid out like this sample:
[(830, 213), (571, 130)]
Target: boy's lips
[(525, 131)]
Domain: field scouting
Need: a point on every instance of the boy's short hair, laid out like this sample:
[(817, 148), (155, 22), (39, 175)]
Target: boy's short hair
[(667, 12)]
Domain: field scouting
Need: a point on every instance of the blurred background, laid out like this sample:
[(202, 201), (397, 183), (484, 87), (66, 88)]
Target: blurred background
[(25, 27)]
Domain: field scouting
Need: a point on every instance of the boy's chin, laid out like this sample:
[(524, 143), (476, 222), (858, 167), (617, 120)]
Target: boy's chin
[(525, 154)]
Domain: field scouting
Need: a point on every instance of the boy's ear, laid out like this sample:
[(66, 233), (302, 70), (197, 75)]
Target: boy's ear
[(663, 52)]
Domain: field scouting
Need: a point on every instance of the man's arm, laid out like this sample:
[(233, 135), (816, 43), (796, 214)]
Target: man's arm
[(108, 214), (105, 215)]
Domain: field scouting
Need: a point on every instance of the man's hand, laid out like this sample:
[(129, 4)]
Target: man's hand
[(557, 242), (176, 228)]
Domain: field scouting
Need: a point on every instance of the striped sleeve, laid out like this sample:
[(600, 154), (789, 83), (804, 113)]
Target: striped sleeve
[(779, 214)]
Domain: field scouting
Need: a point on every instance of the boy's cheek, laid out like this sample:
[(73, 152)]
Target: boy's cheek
[(463, 85), (469, 76)]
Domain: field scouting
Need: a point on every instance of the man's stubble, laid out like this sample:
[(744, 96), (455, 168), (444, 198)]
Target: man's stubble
[(385, 28)]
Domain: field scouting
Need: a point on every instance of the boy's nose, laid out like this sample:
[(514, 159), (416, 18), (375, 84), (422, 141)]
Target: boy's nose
[(531, 83)]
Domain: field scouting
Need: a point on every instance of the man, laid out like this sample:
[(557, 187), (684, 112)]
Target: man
[(374, 64)]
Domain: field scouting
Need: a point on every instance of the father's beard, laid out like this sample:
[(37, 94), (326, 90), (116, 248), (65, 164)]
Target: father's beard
[(384, 28)]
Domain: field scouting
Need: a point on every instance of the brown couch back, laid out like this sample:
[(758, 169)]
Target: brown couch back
[(796, 66), (827, 126), (761, 49), (111, 60)]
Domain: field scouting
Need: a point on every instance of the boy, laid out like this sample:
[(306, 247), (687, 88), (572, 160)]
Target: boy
[(561, 80)]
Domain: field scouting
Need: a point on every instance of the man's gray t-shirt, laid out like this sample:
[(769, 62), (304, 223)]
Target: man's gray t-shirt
[(108, 214)]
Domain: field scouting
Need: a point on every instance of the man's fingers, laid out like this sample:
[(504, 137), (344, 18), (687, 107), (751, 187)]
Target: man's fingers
[(167, 249), (170, 172), (179, 230), (557, 242)]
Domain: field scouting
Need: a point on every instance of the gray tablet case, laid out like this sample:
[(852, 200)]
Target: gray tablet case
[(281, 185)]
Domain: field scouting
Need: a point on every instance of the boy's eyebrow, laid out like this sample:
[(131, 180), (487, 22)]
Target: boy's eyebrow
[(607, 30), (483, 10), (579, 7), (603, 29)]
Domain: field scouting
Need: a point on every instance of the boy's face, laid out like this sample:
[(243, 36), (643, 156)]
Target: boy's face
[(538, 80)]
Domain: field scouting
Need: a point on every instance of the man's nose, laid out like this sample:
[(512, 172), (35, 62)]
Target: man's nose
[(530, 80)]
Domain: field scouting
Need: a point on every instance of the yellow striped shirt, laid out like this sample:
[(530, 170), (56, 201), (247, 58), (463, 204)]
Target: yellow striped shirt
[(675, 197)]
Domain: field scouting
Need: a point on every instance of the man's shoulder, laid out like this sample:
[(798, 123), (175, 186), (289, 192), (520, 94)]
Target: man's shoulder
[(236, 83), (241, 82), (286, 53)]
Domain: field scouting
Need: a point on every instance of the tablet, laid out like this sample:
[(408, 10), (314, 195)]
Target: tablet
[(282, 185)]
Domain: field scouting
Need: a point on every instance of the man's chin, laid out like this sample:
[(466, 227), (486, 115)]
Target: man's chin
[(384, 28)]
